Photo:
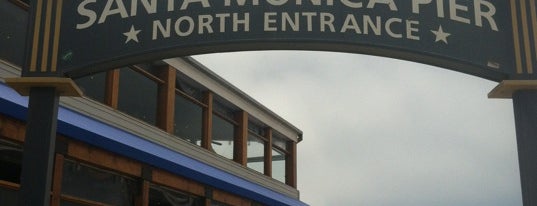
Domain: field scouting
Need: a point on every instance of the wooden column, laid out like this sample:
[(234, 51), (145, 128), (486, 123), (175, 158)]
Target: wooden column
[(268, 152), (166, 99), (57, 180), (241, 138), (112, 88), (207, 126), (290, 165), (143, 199)]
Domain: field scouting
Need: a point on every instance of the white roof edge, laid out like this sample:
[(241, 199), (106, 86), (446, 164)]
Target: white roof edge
[(203, 75)]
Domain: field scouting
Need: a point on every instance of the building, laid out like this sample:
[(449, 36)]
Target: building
[(168, 132)]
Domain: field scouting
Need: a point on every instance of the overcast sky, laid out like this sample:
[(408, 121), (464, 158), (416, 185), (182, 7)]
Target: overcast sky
[(380, 131)]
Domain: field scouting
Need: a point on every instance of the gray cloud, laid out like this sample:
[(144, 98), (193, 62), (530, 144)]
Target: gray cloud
[(384, 132)]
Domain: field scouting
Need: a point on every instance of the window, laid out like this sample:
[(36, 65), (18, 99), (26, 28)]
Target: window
[(66, 203), (93, 86), (10, 161), (224, 110), (256, 147), (149, 69), (82, 183), (223, 129), (161, 196), (138, 95), (223, 136), (13, 33), (278, 165), (279, 141), (10, 169), (215, 203), (185, 85), (8, 196), (188, 117), (256, 150), (279, 153), (188, 120)]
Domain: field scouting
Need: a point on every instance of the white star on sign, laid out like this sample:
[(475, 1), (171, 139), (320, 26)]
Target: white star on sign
[(132, 35), (441, 35)]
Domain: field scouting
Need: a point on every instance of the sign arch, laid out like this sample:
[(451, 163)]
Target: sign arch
[(492, 39), (485, 38)]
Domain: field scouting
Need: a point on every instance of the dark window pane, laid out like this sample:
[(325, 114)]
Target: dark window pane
[(165, 197), (8, 197), (223, 135), (256, 129), (215, 203), (97, 185), (93, 86), (256, 153), (223, 110), (10, 161), (188, 120), (67, 203), (153, 70), (13, 22), (192, 91), (137, 95), (279, 141)]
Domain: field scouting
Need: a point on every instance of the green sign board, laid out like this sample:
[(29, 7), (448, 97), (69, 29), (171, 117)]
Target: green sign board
[(493, 39)]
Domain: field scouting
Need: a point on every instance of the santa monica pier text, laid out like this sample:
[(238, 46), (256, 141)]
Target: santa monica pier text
[(359, 17)]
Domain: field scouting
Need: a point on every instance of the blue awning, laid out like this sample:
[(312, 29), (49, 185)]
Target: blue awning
[(99, 134)]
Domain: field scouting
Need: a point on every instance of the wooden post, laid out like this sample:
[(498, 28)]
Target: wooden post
[(166, 96), (207, 133), (241, 139)]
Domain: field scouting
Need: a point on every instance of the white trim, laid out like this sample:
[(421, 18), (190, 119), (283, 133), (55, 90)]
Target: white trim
[(235, 97)]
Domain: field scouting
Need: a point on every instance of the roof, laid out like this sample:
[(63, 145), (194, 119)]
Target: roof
[(200, 73)]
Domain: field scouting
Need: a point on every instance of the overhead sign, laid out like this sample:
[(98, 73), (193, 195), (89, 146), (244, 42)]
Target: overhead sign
[(492, 39)]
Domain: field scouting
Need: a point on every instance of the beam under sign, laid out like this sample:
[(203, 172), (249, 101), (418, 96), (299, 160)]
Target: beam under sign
[(37, 158), (525, 107), (39, 144), (524, 95)]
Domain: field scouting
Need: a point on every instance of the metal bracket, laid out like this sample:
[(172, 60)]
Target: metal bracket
[(506, 88), (64, 86)]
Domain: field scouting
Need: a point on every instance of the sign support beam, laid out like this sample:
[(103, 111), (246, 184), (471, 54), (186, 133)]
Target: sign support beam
[(525, 107), (524, 95), (39, 146)]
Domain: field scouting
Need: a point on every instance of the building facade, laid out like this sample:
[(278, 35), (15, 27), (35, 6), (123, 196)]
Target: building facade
[(168, 132)]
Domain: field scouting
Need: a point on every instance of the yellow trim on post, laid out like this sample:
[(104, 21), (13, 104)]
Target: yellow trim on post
[(65, 86), (37, 29), (56, 41), (46, 37), (506, 88)]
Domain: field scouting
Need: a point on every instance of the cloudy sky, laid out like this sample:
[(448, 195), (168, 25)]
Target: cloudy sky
[(380, 131)]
